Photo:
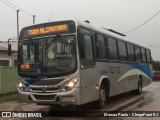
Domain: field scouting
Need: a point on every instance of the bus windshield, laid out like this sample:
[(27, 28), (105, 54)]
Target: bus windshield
[(59, 55), (49, 56)]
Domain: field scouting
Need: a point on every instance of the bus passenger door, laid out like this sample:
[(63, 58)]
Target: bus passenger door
[(87, 64)]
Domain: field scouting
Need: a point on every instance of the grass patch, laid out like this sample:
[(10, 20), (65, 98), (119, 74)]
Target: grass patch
[(9, 97)]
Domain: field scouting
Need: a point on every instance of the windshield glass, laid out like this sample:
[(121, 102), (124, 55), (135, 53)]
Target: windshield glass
[(31, 52), (30, 60), (60, 55), (47, 57)]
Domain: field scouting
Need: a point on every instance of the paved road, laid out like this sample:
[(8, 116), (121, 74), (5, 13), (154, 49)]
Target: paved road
[(148, 101)]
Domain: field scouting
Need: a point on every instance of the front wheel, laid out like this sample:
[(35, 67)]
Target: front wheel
[(101, 103), (138, 91)]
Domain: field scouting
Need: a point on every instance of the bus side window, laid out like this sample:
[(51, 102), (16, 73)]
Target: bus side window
[(101, 52), (143, 55), (112, 45), (148, 56), (138, 54), (122, 51), (130, 49), (86, 50)]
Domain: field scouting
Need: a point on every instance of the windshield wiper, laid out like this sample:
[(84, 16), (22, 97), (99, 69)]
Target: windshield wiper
[(53, 40)]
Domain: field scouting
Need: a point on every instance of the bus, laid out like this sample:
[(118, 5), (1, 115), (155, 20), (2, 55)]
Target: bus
[(74, 62)]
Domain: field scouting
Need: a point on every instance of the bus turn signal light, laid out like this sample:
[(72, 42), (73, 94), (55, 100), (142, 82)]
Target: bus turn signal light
[(96, 87)]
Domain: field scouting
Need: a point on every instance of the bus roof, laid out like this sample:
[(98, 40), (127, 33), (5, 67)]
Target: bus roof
[(107, 32), (98, 29)]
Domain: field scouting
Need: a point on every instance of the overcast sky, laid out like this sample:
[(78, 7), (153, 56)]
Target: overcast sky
[(120, 15)]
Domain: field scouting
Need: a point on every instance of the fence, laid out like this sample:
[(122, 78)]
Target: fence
[(8, 80)]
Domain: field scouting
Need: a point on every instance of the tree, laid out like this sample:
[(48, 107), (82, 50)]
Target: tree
[(156, 65)]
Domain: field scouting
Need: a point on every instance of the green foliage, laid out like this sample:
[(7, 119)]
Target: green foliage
[(156, 65)]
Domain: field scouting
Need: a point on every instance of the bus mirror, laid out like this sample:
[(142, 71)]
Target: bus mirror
[(9, 50)]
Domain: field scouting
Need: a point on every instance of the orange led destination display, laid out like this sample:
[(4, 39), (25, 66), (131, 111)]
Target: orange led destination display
[(48, 29)]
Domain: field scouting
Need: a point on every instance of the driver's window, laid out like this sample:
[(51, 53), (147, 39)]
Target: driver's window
[(86, 50)]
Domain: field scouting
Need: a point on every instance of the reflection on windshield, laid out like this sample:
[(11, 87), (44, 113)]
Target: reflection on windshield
[(60, 55), (30, 52)]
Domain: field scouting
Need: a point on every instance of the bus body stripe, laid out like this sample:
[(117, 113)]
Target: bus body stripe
[(145, 68)]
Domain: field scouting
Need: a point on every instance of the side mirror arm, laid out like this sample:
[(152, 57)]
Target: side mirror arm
[(10, 46)]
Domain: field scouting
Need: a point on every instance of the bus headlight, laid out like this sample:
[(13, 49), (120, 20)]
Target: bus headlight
[(70, 85), (22, 87)]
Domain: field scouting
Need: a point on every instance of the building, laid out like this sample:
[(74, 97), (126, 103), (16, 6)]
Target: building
[(6, 60)]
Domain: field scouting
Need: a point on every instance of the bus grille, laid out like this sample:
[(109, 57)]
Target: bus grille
[(44, 97), (40, 89), (45, 82)]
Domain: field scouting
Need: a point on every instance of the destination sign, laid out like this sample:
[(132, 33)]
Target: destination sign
[(48, 29)]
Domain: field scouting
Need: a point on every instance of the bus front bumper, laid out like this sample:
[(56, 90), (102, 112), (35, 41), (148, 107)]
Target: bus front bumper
[(70, 97)]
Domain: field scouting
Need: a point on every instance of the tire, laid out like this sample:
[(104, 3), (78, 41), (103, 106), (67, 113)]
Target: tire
[(101, 103), (138, 91)]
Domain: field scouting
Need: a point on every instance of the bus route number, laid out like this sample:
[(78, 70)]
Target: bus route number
[(114, 69)]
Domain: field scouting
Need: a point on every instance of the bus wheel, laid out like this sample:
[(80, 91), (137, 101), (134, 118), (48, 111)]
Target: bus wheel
[(139, 89), (102, 98)]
